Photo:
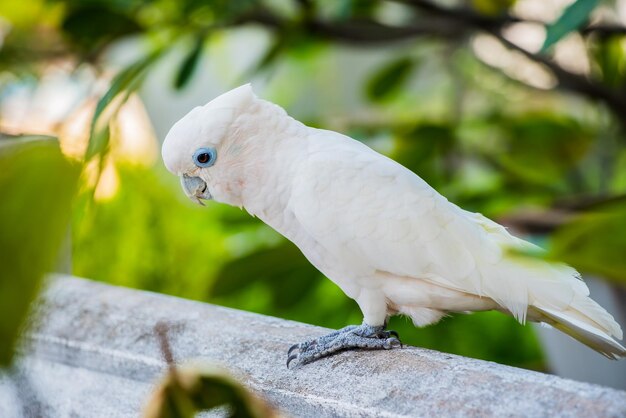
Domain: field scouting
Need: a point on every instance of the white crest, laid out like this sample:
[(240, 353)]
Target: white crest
[(237, 98)]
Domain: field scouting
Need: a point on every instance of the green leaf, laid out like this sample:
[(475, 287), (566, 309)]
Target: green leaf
[(125, 82), (594, 242), (189, 64), (99, 141), (389, 78), (37, 185), (610, 56), (573, 17)]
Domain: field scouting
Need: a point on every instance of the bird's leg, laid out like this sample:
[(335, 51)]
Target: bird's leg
[(353, 336)]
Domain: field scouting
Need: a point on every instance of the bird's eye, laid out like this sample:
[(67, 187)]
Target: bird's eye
[(204, 157)]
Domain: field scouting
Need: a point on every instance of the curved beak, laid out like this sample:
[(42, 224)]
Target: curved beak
[(195, 188)]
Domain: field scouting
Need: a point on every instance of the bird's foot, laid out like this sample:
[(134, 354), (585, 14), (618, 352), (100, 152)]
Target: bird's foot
[(353, 336)]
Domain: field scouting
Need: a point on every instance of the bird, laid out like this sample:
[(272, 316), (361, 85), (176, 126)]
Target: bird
[(376, 229)]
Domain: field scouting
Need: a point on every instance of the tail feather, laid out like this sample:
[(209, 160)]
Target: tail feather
[(547, 291), (584, 329), (588, 310)]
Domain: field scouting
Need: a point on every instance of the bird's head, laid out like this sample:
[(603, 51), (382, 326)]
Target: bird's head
[(202, 147)]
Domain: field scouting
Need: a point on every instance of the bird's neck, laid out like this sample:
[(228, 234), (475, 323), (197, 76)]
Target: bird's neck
[(265, 154)]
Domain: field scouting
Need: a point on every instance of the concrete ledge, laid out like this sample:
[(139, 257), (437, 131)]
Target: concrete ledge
[(93, 353)]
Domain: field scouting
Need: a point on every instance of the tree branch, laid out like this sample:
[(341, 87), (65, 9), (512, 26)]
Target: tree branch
[(604, 30), (498, 22), (462, 14), (566, 79), (575, 82), (442, 22), (451, 24), (359, 32)]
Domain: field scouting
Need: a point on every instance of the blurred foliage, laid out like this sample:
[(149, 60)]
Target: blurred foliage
[(610, 61), (91, 25), (122, 86), (148, 238), (390, 78), (492, 7), (37, 184), (576, 242), (473, 140), (197, 386)]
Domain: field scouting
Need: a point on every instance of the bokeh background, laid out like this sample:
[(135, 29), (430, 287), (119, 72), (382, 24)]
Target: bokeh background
[(512, 108)]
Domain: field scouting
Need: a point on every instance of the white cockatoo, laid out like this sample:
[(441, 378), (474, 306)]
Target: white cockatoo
[(376, 229)]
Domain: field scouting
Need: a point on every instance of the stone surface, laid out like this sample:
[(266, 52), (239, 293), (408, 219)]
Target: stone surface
[(93, 353)]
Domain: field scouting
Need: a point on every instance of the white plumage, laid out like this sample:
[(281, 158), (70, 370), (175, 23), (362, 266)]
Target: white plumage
[(376, 229)]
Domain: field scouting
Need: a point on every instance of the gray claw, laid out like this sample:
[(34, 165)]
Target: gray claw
[(393, 343), (291, 358), (293, 347)]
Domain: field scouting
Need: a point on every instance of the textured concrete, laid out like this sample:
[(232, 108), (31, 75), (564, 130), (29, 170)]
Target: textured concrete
[(93, 353)]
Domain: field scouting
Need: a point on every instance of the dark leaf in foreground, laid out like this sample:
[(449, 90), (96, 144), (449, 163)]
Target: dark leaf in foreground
[(198, 386), (195, 387), (37, 183)]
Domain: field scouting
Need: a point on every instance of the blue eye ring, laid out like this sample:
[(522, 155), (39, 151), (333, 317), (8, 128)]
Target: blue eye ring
[(204, 157)]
